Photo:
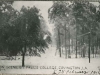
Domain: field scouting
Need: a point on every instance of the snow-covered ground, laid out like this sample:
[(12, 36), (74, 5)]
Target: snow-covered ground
[(48, 63)]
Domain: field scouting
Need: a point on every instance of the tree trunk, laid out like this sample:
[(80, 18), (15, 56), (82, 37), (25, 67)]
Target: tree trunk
[(72, 46), (23, 59), (96, 50), (62, 44), (93, 51), (59, 42), (65, 44), (81, 47), (84, 53), (76, 42), (96, 46), (89, 46), (83, 43), (23, 55), (81, 52), (69, 45)]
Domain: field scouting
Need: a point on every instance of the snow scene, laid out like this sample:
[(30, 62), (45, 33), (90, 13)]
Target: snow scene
[(50, 37)]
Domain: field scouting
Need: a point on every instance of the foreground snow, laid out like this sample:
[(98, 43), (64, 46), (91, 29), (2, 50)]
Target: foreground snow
[(48, 63)]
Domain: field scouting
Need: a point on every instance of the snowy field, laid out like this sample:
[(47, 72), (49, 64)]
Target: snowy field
[(48, 63)]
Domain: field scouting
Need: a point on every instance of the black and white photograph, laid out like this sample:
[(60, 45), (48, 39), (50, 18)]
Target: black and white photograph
[(50, 37)]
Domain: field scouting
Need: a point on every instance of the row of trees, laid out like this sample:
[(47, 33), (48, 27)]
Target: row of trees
[(77, 26), (22, 31)]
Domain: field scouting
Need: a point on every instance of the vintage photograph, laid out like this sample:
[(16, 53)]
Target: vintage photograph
[(50, 37)]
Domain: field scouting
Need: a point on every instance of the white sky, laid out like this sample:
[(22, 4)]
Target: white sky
[(42, 5)]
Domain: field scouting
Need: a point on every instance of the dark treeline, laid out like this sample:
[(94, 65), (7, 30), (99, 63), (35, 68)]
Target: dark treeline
[(22, 32), (77, 28)]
